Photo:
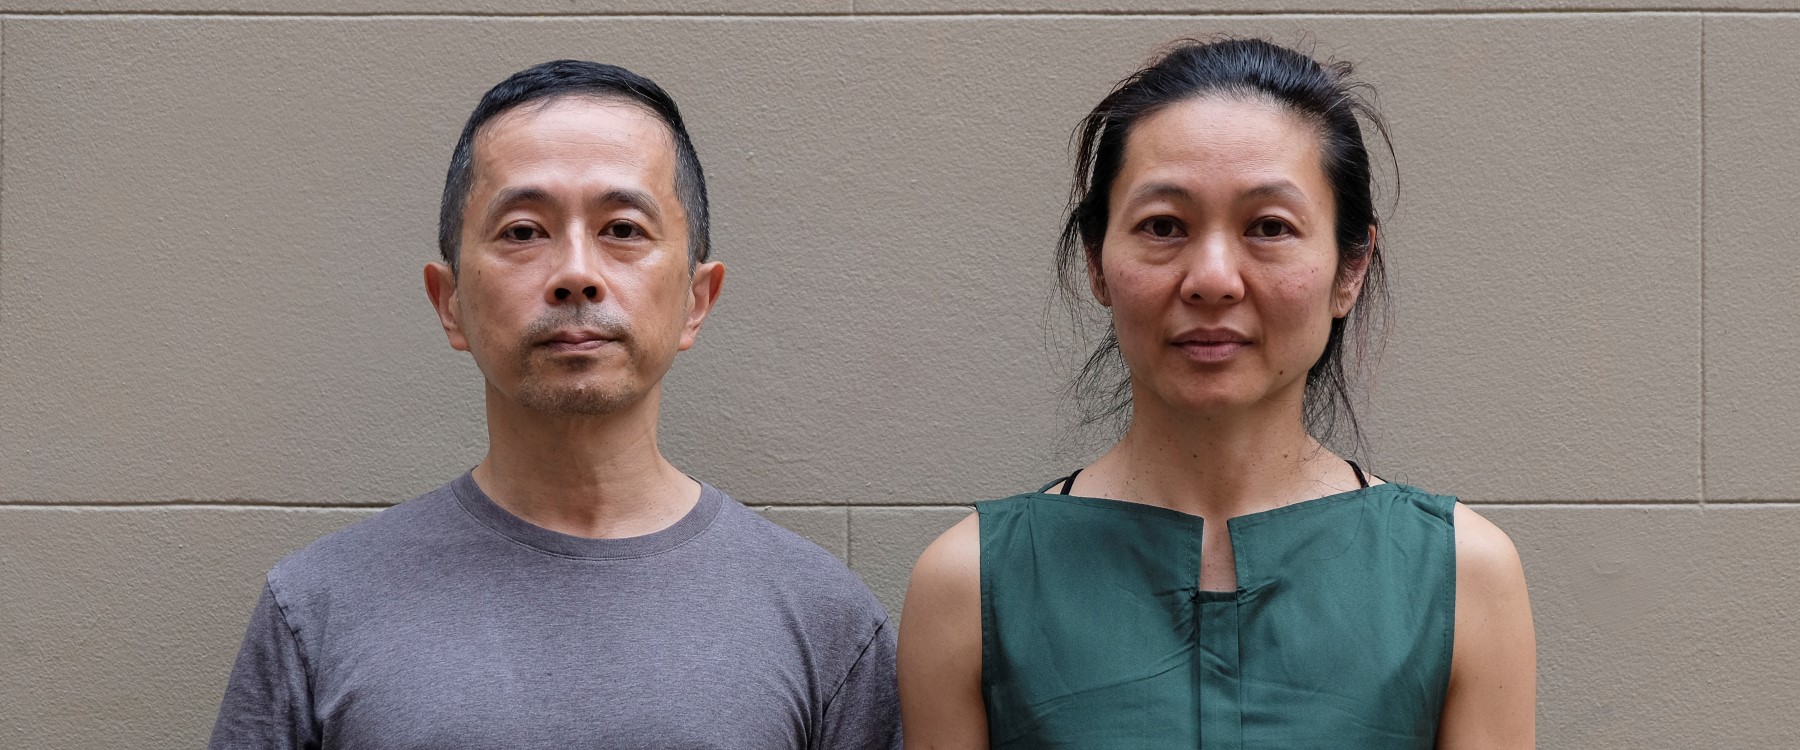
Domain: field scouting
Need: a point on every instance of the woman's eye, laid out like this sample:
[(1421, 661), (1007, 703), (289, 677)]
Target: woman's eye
[(520, 233), (1162, 227), (1269, 228), (621, 230)]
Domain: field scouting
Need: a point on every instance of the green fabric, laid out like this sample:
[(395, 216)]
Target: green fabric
[(1095, 633)]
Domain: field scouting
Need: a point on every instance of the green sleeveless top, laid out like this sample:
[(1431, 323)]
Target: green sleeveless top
[(1095, 633)]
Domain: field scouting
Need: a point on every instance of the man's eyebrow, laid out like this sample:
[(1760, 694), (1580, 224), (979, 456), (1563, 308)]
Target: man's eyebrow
[(638, 199), (515, 197)]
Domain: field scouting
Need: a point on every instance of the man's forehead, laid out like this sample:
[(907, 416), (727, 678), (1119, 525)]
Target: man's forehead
[(575, 129), (580, 119)]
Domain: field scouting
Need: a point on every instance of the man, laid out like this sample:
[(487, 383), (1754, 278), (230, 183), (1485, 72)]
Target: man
[(574, 589)]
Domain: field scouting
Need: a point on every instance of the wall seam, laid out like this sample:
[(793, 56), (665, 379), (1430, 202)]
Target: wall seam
[(2, 171), (1484, 13), (1703, 118)]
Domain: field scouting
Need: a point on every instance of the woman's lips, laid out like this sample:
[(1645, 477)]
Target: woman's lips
[(1210, 352)]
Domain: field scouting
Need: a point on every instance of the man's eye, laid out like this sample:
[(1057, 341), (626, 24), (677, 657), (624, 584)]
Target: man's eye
[(1269, 228), (520, 233), (621, 230), (1162, 227)]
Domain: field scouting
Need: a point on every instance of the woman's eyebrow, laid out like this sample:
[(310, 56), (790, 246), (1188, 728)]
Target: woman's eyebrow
[(1153, 190), (1274, 189), (1277, 189)]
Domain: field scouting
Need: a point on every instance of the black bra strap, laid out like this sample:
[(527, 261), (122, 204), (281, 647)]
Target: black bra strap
[(1361, 480), (1069, 484)]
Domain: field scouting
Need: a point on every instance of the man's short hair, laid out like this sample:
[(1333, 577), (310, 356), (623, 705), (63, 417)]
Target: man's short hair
[(554, 80)]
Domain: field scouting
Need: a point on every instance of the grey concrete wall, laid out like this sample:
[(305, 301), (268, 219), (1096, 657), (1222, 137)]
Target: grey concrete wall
[(214, 346)]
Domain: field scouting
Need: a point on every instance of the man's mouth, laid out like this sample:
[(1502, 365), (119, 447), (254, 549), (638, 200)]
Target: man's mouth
[(578, 341)]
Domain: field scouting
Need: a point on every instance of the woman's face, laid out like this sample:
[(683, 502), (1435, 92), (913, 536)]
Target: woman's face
[(1220, 260)]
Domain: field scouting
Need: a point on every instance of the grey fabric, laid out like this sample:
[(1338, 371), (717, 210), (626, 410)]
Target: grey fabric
[(447, 622)]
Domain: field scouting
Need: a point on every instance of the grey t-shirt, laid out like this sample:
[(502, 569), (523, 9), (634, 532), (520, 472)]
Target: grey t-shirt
[(447, 622)]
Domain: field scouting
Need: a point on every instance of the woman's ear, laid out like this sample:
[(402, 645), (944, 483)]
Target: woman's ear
[(1350, 280), (1097, 278)]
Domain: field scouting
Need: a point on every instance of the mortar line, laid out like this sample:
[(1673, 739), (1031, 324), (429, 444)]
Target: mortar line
[(1496, 12), (191, 505), (2, 163), (1703, 118)]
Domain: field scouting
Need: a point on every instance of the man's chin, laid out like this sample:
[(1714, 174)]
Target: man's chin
[(577, 400)]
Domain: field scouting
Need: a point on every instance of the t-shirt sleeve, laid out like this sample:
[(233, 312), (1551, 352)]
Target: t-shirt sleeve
[(268, 704), (865, 712)]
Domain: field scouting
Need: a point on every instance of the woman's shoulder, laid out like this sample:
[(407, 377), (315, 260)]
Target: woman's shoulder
[(1482, 548), (1440, 507), (953, 560), (1486, 558), (943, 602)]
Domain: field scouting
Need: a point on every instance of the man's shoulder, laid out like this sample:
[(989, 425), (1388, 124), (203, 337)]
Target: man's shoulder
[(782, 559), (363, 549)]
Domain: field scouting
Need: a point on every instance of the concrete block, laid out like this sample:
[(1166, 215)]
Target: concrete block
[(1546, 337), (1661, 626), (1752, 240)]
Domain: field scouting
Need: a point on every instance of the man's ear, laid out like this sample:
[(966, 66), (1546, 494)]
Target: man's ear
[(440, 286), (1350, 281), (1097, 280), (703, 293)]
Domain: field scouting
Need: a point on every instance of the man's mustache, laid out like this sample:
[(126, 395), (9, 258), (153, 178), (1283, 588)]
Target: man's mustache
[(610, 323)]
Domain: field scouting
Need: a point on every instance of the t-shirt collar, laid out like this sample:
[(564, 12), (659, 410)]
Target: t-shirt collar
[(501, 521)]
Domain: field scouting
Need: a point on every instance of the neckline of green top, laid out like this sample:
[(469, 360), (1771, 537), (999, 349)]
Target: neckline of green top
[(1248, 519)]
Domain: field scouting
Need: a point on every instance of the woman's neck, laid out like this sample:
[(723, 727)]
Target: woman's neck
[(1217, 465)]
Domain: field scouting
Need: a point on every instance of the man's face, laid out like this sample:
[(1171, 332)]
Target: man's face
[(573, 291)]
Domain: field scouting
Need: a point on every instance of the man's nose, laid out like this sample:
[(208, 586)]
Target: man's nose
[(591, 292), (578, 274)]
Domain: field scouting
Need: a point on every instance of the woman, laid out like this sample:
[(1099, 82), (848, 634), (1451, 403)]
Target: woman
[(1219, 579)]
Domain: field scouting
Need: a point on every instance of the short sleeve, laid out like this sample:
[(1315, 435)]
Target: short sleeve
[(268, 703), (864, 714)]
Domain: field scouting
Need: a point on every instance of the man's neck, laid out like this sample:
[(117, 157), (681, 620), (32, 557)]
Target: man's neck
[(597, 476), (1219, 466)]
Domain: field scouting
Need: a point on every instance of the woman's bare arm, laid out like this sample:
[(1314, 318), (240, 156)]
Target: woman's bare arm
[(940, 645), (1492, 701)]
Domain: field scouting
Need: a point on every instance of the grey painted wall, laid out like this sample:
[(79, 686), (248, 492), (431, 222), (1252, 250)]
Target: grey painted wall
[(214, 346)]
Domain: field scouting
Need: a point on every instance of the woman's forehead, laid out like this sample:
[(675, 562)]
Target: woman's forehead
[(1233, 144)]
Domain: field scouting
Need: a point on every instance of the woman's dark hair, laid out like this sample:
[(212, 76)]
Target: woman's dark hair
[(1322, 94)]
